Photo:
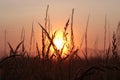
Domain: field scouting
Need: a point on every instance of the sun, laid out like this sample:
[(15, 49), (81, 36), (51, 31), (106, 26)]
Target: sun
[(59, 41)]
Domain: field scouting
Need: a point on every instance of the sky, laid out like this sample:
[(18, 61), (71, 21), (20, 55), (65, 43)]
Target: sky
[(15, 14)]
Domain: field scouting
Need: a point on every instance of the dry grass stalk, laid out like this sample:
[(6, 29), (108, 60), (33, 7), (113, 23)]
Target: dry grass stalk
[(65, 36), (48, 51), (45, 31), (43, 44), (82, 39), (105, 32), (32, 39), (51, 41), (23, 39), (89, 72), (86, 43), (38, 51), (96, 45), (49, 25), (109, 46), (23, 49), (46, 17), (118, 35), (114, 46), (107, 53), (61, 51), (109, 34), (46, 21), (22, 34), (6, 58), (18, 46), (66, 26), (51, 57), (65, 29), (12, 51), (72, 34), (74, 53), (50, 44), (43, 34), (95, 69)]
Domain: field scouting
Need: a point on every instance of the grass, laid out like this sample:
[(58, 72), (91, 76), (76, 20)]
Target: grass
[(23, 68), (19, 65)]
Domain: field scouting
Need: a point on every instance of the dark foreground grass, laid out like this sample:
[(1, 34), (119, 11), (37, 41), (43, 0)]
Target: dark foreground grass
[(33, 68)]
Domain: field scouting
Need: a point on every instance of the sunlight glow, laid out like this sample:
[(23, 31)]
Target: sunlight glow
[(59, 41)]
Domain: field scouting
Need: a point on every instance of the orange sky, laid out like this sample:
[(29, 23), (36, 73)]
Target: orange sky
[(14, 14)]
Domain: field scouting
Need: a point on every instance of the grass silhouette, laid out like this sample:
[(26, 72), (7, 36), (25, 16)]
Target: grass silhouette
[(19, 65)]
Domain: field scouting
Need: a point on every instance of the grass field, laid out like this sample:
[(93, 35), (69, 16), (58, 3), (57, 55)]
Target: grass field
[(57, 65)]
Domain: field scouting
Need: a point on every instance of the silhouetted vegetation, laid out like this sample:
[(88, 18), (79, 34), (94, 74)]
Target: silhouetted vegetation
[(19, 65)]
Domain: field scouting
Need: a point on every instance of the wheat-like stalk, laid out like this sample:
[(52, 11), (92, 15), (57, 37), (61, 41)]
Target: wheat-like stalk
[(86, 42), (38, 51), (105, 32), (72, 34), (12, 51)]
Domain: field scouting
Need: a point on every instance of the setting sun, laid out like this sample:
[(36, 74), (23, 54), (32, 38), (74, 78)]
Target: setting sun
[(59, 41)]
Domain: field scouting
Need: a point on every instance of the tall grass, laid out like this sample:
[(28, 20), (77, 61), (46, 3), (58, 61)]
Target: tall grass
[(114, 46), (23, 51), (32, 40), (47, 65), (72, 34), (105, 32), (86, 42)]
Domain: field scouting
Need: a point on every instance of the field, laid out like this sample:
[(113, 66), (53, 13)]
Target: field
[(52, 63)]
